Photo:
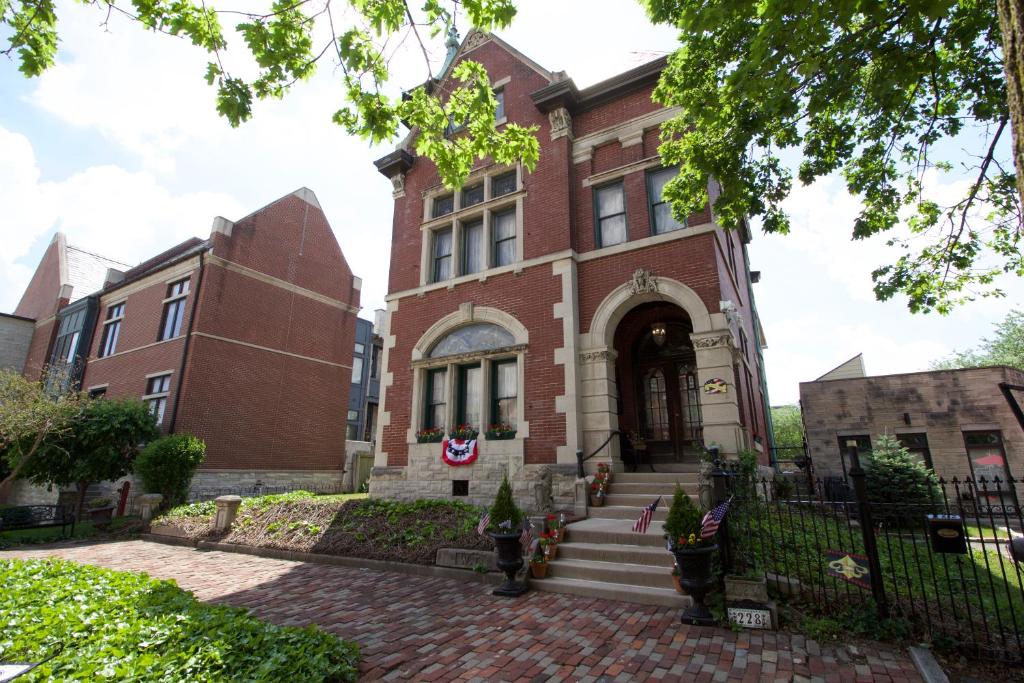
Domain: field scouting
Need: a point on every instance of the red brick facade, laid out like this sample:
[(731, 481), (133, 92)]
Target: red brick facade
[(560, 283)]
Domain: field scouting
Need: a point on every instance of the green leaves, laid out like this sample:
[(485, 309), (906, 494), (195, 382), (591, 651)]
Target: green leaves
[(123, 626)]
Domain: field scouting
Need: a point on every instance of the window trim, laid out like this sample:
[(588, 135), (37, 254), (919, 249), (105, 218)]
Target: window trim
[(492, 393), (434, 258), (176, 302), (110, 322), (598, 242), (648, 174), (426, 419), (152, 398)]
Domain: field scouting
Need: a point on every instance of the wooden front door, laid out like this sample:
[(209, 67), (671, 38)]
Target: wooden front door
[(669, 409)]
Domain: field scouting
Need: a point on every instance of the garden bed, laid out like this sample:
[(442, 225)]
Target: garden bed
[(120, 625), (345, 525)]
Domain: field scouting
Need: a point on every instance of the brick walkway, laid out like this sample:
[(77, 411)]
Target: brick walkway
[(424, 629)]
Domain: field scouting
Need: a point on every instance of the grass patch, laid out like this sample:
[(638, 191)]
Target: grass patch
[(986, 532), (125, 626)]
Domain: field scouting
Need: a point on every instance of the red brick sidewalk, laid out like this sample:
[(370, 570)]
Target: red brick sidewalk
[(410, 627)]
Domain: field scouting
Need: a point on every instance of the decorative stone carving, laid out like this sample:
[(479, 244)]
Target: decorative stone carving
[(475, 40), (643, 282), (711, 342), (398, 185), (595, 356), (561, 123), (542, 491)]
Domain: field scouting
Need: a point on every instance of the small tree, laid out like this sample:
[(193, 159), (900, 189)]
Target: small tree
[(167, 465), (102, 441), (683, 517), (787, 427), (28, 418), (900, 488), (505, 510)]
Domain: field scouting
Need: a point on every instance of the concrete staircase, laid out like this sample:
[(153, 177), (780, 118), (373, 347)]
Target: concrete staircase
[(603, 557)]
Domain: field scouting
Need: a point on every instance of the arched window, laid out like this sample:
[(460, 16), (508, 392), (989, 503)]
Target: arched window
[(470, 338)]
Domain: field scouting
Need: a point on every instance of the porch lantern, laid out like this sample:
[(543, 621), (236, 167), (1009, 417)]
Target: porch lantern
[(658, 332)]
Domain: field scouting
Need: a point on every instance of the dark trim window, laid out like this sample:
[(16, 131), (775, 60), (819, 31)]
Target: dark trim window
[(360, 348), (610, 209), (987, 458), (503, 184), (174, 310), (442, 269), (98, 392), (917, 445), (157, 390), (443, 205), (111, 329), (375, 362), (473, 195), (499, 110), (470, 390), (435, 403), (863, 448), (357, 370), (503, 229), (662, 220), (504, 380), (473, 246)]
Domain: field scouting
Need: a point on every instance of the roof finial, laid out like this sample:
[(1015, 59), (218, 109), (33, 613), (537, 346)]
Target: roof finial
[(452, 43)]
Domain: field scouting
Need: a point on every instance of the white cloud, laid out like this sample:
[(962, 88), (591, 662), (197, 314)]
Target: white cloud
[(105, 209)]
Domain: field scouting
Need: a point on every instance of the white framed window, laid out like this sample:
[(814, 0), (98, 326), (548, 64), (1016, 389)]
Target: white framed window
[(111, 329), (158, 388), (174, 310), (610, 214), (662, 220)]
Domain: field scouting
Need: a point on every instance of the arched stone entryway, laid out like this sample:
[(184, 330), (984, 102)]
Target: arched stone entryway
[(602, 378)]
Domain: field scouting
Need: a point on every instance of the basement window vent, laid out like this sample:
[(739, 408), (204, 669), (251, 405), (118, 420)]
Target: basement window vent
[(460, 487)]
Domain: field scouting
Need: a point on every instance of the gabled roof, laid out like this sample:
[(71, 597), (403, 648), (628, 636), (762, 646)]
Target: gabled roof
[(85, 271), (851, 369)]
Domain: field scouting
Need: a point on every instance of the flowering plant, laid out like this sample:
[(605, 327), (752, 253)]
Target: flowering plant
[(501, 430), (554, 523), (691, 541), (538, 557), (547, 538), (430, 435), (464, 431)]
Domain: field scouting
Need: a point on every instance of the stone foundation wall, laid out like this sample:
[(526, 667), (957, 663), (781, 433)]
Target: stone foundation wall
[(235, 479), (21, 492), (536, 488)]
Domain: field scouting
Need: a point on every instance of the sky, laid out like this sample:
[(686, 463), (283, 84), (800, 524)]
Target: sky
[(119, 146)]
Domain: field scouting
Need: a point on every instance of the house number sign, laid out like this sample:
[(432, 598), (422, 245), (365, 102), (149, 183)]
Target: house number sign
[(750, 617)]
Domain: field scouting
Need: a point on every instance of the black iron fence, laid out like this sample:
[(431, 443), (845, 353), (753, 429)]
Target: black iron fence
[(940, 567)]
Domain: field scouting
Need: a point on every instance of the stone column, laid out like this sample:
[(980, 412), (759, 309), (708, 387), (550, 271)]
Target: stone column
[(599, 397), (227, 510), (148, 504), (720, 412)]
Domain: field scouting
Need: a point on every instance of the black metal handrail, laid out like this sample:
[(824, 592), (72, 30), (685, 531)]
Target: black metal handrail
[(579, 454)]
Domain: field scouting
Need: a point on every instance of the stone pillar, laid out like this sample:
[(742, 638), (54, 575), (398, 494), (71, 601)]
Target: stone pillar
[(720, 412), (582, 488), (148, 504), (227, 510), (599, 398)]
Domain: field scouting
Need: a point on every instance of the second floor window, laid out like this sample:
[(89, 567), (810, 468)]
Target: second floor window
[(443, 205), (499, 111), (111, 329), (504, 231), (662, 220), (472, 247), (442, 255), (174, 310), (157, 390), (357, 370), (610, 207)]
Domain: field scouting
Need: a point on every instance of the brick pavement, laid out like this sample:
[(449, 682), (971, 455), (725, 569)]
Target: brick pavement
[(428, 629)]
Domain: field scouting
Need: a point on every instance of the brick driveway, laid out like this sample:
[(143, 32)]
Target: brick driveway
[(426, 629)]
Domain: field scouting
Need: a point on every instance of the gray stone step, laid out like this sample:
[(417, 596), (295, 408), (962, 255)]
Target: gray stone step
[(651, 489), (655, 477), (615, 552), (662, 597), (617, 531), (611, 572), (629, 512), (639, 500)]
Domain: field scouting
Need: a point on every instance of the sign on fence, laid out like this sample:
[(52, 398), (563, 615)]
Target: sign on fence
[(946, 533), (850, 567)]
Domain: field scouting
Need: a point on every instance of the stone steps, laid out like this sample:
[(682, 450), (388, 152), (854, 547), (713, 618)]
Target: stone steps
[(639, 500), (643, 595), (655, 477), (630, 512), (611, 572), (649, 489), (615, 531), (615, 552)]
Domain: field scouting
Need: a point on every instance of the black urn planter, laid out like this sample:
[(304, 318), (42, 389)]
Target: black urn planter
[(696, 580), (510, 561)]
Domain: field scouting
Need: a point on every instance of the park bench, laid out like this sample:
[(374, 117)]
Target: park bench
[(36, 517)]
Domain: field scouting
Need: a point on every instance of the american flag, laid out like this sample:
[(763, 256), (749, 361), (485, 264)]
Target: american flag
[(713, 519), (484, 521), (641, 524), (526, 537)]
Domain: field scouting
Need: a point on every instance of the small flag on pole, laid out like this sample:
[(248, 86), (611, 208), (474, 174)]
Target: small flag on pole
[(507, 525), (641, 524), (713, 519), (526, 537), (485, 520)]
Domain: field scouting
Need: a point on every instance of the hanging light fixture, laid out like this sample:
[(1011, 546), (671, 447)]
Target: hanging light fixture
[(659, 332)]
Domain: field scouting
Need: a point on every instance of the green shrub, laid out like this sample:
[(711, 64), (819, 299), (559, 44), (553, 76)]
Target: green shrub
[(901, 489), (504, 509), (125, 626), (683, 517), (167, 465)]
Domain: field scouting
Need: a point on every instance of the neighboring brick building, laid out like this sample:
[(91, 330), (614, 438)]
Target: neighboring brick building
[(244, 339), (566, 302), (959, 422)]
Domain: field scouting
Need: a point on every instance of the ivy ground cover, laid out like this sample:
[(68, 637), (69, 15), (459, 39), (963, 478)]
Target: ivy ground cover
[(111, 625)]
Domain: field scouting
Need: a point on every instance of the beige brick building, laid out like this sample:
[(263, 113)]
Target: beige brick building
[(959, 422)]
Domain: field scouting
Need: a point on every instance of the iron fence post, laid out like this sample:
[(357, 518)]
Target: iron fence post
[(867, 528)]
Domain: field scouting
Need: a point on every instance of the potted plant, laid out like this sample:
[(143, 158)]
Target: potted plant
[(464, 432), (693, 556), (605, 471), (556, 525), (500, 431), (598, 490), (101, 511), (430, 435), (503, 528), (538, 565), (549, 544)]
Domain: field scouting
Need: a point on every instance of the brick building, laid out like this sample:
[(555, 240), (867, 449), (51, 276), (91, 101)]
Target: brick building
[(566, 302), (244, 339), (960, 423)]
